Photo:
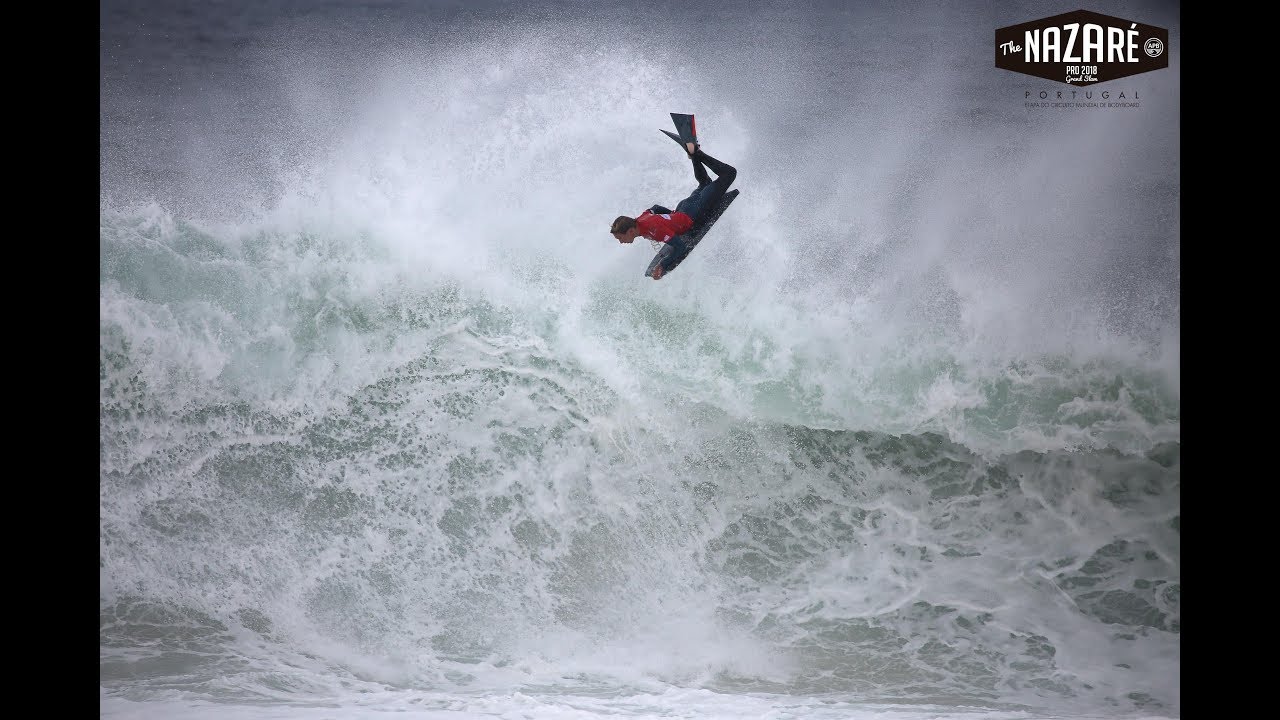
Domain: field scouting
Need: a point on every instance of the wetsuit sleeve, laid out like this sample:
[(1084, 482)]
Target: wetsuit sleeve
[(659, 210)]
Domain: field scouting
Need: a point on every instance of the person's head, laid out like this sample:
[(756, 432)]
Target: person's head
[(625, 229)]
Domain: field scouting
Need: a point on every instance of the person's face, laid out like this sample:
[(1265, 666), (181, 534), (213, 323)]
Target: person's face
[(628, 236)]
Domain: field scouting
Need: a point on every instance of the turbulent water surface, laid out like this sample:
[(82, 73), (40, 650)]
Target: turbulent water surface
[(389, 422)]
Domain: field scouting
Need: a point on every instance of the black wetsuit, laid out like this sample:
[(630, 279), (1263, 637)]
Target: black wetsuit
[(704, 197), (708, 192)]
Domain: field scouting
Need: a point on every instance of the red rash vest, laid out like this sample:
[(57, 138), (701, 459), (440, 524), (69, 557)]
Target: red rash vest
[(663, 227)]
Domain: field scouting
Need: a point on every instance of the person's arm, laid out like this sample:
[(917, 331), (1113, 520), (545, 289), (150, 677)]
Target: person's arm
[(659, 210), (656, 269)]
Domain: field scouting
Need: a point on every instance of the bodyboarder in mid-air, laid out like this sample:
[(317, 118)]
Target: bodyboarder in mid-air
[(666, 226)]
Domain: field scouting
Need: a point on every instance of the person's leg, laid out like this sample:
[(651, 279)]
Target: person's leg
[(706, 196), (699, 172), (723, 171), (693, 204)]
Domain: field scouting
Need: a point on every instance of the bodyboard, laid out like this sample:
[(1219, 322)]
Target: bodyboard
[(669, 257)]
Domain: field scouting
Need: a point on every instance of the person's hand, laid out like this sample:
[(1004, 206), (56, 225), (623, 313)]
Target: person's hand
[(691, 148), (657, 273)]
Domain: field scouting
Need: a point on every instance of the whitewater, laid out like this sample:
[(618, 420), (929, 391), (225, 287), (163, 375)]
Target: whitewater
[(390, 424)]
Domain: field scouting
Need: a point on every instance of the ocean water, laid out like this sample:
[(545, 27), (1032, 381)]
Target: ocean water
[(391, 426)]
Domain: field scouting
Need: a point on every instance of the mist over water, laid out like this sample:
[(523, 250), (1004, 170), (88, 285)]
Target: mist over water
[(390, 422)]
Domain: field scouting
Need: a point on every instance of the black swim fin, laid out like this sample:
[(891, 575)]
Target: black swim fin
[(674, 136), (686, 127)]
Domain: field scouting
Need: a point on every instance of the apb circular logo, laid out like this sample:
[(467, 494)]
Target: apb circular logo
[(1154, 47)]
